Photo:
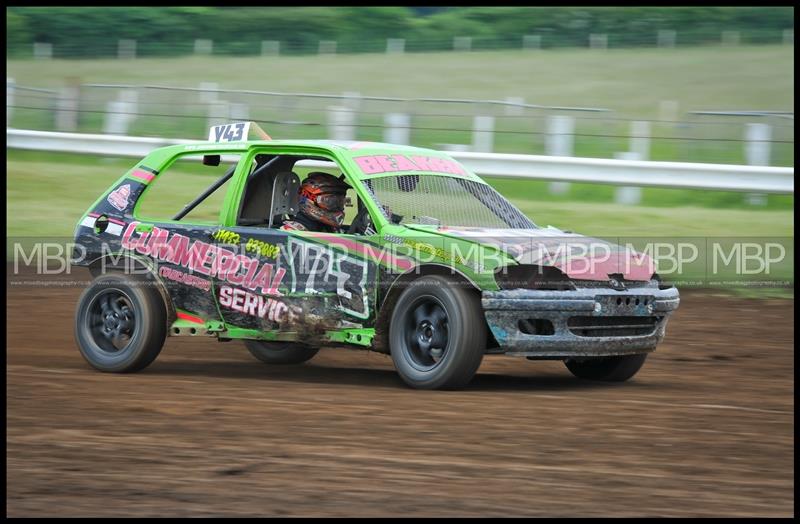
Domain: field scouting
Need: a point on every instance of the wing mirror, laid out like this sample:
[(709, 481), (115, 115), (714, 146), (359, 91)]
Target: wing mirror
[(211, 160)]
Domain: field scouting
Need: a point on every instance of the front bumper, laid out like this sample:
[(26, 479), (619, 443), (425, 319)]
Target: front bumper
[(586, 322)]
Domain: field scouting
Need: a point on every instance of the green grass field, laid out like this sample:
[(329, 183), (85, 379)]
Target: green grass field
[(630, 82)]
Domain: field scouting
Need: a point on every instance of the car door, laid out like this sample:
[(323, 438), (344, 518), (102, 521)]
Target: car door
[(287, 281), (172, 219), (275, 280)]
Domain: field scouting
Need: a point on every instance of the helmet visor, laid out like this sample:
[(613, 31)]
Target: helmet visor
[(331, 201)]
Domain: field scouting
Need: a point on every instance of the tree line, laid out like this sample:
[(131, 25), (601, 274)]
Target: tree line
[(163, 31)]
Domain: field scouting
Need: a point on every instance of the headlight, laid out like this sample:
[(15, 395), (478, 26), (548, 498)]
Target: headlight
[(531, 276)]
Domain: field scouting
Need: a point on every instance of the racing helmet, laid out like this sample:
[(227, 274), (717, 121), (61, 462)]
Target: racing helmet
[(322, 198)]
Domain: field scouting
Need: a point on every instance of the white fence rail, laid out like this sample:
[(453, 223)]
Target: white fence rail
[(721, 177), (755, 137)]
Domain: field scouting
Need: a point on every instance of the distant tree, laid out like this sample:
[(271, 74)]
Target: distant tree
[(94, 31), (425, 11), (17, 33)]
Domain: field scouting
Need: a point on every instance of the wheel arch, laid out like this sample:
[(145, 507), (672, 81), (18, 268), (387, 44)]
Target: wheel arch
[(381, 341), (137, 266)]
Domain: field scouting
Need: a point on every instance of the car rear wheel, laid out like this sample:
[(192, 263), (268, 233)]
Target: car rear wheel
[(610, 369), (280, 352), (120, 323), (437, 334)]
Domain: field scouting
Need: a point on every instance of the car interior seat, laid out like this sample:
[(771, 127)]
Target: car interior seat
[(285, 197)]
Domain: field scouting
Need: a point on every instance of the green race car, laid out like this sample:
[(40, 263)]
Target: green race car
[(432, 266)]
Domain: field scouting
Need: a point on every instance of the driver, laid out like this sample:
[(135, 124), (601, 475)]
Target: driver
[(321, 204)]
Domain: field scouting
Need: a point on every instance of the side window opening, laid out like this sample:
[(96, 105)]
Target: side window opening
[(185, 182), (257, 201)]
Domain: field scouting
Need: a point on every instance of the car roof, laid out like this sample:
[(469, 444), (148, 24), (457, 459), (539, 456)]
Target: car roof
[(344, 145), (347, 148)]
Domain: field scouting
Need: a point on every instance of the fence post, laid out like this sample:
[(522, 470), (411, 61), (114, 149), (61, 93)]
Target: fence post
[(352, 100), (203, 46), (640, 139), (126, 49), (559, 142), (270, 48), (67, 107), (42, 50), (10, 87), (598, 41), (628, 195), (340, 123), (757, 145), (532, 41), (208, 92), (397, 128), (560, 130), (395, 45), (121, 112), (462, 43), (483, 134), (114, 123), (667, 37), (514, 105), (462, 148), (327, 47), (730, 38), (757, 152)]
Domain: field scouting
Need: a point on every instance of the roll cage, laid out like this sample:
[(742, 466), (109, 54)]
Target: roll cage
[(263, 186)]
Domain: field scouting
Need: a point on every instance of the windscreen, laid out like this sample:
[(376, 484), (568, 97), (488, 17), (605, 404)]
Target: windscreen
[(445, 201)]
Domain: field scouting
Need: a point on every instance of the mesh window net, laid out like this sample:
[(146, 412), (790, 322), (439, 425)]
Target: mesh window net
[(445, 201)]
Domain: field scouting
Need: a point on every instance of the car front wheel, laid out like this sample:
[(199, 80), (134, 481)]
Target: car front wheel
[(437, 334)]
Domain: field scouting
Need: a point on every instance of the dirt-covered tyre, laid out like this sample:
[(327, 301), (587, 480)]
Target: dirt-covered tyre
[(120, 323), (280, 352), (437, 334), (610, 369)]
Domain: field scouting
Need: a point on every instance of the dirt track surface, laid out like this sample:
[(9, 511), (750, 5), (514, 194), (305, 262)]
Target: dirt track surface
[(706, 428)]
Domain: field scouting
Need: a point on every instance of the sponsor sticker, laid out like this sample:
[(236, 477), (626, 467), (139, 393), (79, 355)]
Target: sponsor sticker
[(376, 164), (119, 197), (252, 304), (179, 276), (205, 258)]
